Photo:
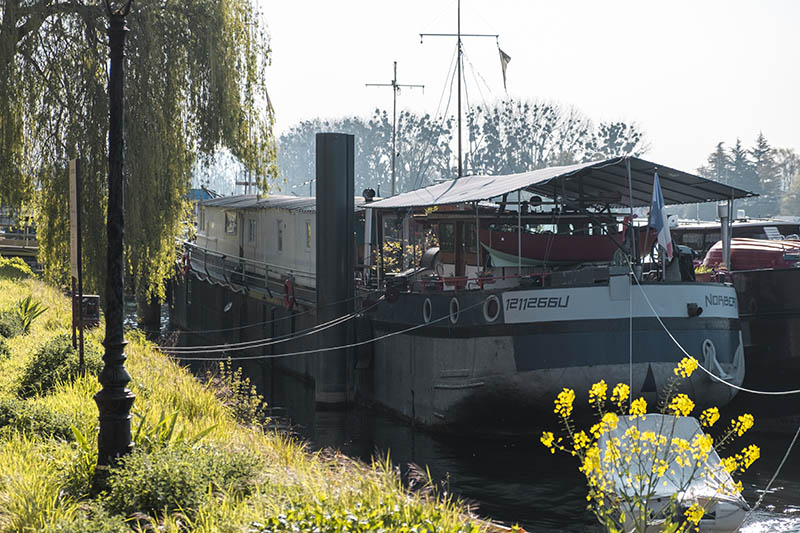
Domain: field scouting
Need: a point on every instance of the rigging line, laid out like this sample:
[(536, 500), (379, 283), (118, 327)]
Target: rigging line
[(319, 350), (480, 92), (307, 311), (444, 115), (418, 181), (775, 475), (260, 343), (466, 98), (704, 369)]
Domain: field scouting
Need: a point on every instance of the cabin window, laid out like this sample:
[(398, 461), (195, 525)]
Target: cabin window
[(230, 223), (447, 236), (201, 223), (251, 231), (692, 240), (279, 234), (469, 238), (308, 235)]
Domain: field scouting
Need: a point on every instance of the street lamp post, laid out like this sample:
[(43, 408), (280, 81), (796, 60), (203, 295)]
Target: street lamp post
[(114, 400)]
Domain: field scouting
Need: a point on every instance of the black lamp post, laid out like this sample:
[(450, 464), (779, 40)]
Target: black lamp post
[(114, 400)]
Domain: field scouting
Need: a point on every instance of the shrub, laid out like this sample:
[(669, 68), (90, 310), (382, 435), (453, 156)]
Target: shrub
[(90, 518), (55, 361), (5, 351), (31, 418), (178, 477), (10, 324), (238, 394), (14, 268)]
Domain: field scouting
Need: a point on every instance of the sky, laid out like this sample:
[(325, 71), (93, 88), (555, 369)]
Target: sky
[(689, 73)]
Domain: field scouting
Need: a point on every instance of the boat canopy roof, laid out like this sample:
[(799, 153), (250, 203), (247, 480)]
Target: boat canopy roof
[(599, 182)]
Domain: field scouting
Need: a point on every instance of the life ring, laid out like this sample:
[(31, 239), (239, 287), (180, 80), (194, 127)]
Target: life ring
[(288, 293), (185, 265)]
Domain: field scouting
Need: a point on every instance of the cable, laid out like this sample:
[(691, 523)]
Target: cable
[(259, 343), (255, 324), (687, 354), (771, 481), (319, 350)]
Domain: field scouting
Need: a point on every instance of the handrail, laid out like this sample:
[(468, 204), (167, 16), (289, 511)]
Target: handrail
[(249, 261)]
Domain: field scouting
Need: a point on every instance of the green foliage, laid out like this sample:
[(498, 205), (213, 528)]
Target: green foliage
[(195, 82), (179, 478), (14, 268), (236, 392), (151, 437), (78, 472), (30, 418), (5, 351), (29, 310), (55, 361), (91, 517), (366, 517), (10, 324)]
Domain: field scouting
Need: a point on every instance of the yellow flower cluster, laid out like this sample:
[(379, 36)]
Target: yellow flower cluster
[(686, 366), (564, 403), (710, 416), (742, 424), (620, 394), (547, 439), (681, 405), (580, 440), (597, 394), (742, 461), (638, 407), (695, 513)]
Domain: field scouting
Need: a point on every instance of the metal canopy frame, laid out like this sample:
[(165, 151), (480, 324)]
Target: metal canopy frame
[(606, 182)]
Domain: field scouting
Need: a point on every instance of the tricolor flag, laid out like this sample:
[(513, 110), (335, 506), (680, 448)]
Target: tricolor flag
[(658, 218)]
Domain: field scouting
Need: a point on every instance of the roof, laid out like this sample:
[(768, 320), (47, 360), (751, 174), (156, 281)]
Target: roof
[(307, 204), (599, 182)]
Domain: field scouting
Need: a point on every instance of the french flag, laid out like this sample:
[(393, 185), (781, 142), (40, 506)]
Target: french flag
[(658, 218)]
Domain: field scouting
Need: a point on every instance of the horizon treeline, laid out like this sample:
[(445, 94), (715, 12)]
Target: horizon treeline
[(501, 138)]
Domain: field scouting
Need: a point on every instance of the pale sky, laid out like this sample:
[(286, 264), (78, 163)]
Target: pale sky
[(689, 73)]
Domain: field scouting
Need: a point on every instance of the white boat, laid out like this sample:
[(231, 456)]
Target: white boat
[(708, 485)]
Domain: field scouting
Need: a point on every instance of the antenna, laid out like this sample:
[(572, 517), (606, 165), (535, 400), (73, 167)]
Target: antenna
[(395, 89), (459, 35)]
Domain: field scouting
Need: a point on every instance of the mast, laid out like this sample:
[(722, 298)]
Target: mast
[(459, 58), (395, 89)]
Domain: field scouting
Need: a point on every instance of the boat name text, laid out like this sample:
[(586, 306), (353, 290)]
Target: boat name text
[(716, 299), (543, 302)]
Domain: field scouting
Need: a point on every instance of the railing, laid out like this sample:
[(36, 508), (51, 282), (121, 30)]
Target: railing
[(249, 274), (18, 239)]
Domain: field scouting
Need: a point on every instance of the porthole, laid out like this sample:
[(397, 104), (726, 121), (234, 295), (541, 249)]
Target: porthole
[(454, 310), (491, 308), (427, 310)]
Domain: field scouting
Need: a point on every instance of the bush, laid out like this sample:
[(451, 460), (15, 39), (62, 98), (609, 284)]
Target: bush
[(178, 478), (11, 324), (238, 394), (91, 518), (14, 268), (55, 361), (5, 351), (31, 418)]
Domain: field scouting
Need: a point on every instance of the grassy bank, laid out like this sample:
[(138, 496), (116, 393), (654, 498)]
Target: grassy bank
[(197, 466)]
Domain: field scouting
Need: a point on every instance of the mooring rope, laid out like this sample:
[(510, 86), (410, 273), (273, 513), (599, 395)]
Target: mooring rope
[(260, 343), (319, 350)]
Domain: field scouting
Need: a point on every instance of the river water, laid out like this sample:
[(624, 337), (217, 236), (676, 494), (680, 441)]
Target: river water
[(518, 480)]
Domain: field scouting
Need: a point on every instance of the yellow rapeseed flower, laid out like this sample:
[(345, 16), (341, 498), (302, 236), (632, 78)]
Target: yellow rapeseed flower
[(564, 402), (681, 405), (610, 421), (597, 394), (686, 366), (580, 440), (730, 464), (620, 394), (710, 416), (743, 423), (547, 439), (695, 513), (638, 407), (749, 456)]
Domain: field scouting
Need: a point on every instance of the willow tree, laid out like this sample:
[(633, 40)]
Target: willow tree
[(195, 82)]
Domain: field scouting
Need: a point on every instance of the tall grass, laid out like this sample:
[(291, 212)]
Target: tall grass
[(45, 483)]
